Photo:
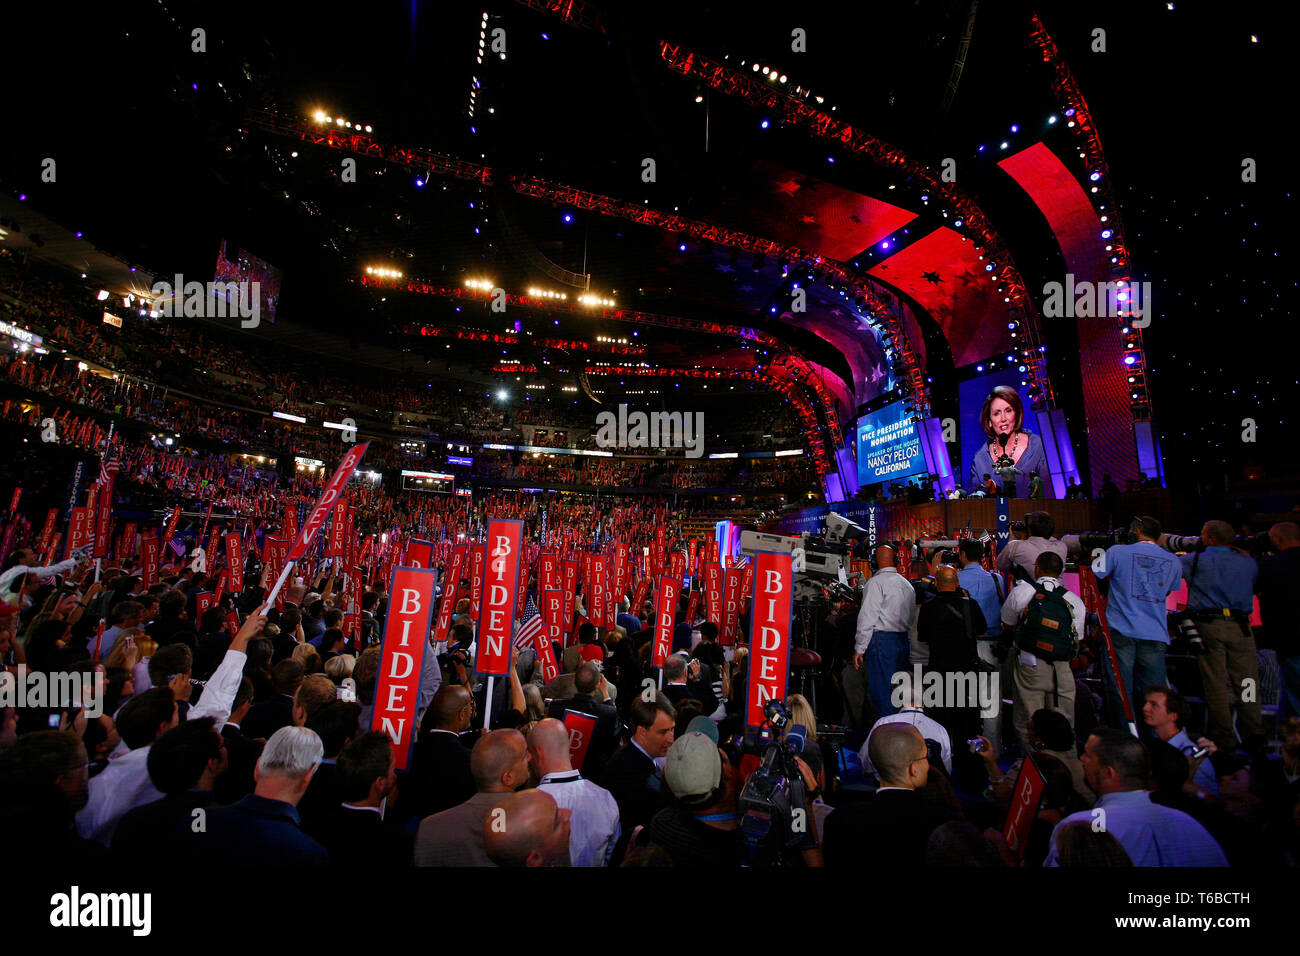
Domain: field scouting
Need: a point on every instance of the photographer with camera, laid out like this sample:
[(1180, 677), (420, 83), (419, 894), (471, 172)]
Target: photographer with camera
[(1142, 575), (1040, 527), (1048, 621), (1220, 596)]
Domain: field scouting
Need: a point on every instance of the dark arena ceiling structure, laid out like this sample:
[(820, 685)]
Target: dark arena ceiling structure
[(844, 205)]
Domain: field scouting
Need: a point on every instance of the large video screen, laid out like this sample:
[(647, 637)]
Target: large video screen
[(1013, 459), (889, 446), (243, 266)]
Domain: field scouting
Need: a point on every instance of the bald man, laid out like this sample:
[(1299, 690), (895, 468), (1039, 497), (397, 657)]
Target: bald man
[(884, 621), (950, 624), (440, 775), (499, 763), (595, 827), (527, 829), (893, 827), (1277, 585)]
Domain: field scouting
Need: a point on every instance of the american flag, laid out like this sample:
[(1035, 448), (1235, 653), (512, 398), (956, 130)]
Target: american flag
[(107, 469), (985, 537), (530, 628)]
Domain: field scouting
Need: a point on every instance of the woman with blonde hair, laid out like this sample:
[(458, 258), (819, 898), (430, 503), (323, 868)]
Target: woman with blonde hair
[(801, 712), (308, 657)]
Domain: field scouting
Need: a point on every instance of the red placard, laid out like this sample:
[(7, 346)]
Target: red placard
[(691, 556), (47, 532), (406, 641), (290, 528), (276, 549), (596, 599), (504, 546), (620, 572), (581, 728), (78, 530), (748, 581), (149, 547), (126, 544), (713, 592), (235, 562), (13, 502), (172, 522), (570, 574), (103, 512), (553, 613), (223, 582), (232, 623), (1030, 785), (419, 554), (213, 541), (352, 627), (666, 594), (549, 571), (677, 565), (693, 607), (336, 545), (202, 601), (330, 497), (207, 517), (731, 606), (521, 590), (769, 633), (638, 599), (475, 580), (450, 589)]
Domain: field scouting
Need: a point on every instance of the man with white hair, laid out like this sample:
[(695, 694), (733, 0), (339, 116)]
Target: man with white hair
[(263, 828)]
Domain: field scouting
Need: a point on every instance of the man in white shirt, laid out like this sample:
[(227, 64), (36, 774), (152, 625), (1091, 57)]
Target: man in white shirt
[(911, 713), (1040, 682), (594, 827), (20, 572), (884, 621)]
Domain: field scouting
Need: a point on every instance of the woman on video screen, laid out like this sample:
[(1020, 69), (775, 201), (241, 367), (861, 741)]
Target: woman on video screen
[(1012, 456)]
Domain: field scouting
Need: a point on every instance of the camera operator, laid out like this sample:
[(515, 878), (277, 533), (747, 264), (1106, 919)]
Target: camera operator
[(1277, 585), (1040, 527), (1142, 576), (884, 622), (1220, 594)]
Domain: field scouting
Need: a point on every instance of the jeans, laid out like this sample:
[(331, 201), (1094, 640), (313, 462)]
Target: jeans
[(1141, 665), (886, 655)]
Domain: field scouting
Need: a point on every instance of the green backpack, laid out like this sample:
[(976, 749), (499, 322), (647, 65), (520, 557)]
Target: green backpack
[(1047, 626)]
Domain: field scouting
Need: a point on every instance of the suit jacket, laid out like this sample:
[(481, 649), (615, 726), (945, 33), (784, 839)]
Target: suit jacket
[(455, 837), (695, 690), (439, 778), (267, 717), (637, 785), (242, 752), (361, 840), (151, 833), (322, 797), (893, 827), (254, 832), (606, 736)]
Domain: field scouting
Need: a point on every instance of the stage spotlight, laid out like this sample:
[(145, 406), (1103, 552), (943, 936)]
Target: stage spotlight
[(764, 124), (1051, 119), (103, 294)]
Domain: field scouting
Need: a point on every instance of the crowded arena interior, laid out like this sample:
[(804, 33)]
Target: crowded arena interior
[(562, 434)]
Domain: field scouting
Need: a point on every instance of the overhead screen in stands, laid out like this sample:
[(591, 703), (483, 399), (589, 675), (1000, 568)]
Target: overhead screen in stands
[(889, 446)]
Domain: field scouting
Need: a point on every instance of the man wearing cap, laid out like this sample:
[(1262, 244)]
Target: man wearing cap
[(702, 827)]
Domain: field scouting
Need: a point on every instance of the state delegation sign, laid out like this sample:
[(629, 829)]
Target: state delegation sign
[(406, 639)]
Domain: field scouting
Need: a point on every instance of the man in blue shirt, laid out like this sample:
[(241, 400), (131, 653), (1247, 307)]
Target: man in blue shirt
[(985, 589), (1220, 595), (1163, 712), (1117, 769), (1142, 576)]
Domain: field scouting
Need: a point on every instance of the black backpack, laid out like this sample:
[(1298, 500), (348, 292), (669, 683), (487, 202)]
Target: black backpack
[(1047, 626)]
